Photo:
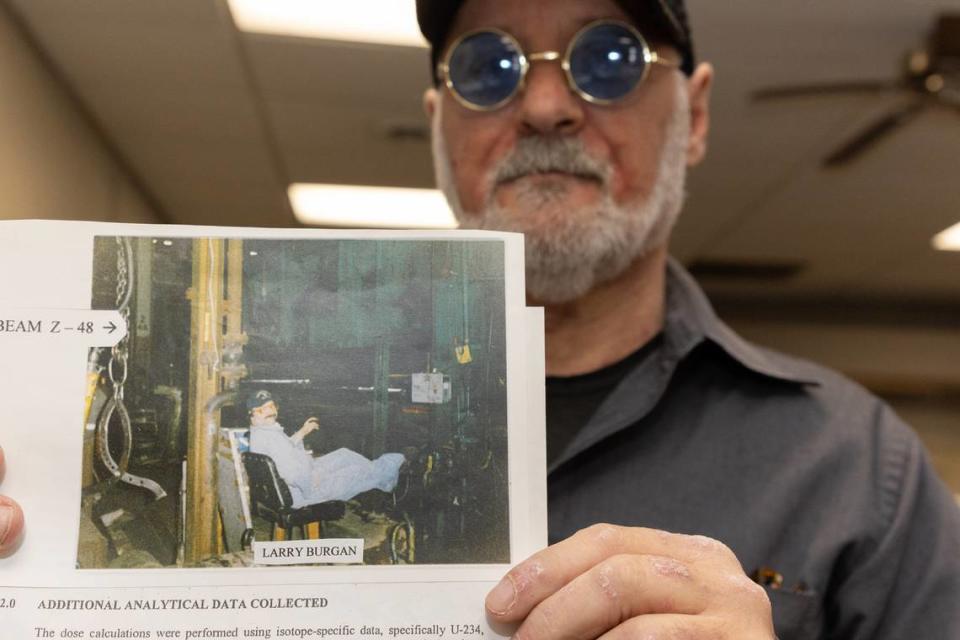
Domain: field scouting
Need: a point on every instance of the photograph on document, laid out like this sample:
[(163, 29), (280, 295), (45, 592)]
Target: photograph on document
[(276, 394)]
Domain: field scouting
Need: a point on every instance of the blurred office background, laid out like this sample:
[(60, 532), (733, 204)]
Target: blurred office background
[(817, 224)]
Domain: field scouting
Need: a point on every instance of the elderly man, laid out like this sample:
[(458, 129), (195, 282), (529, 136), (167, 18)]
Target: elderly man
[(573, 122)]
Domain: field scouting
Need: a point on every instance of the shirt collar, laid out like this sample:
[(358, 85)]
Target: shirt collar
[(690, 319), (275, 426), (689, 322)]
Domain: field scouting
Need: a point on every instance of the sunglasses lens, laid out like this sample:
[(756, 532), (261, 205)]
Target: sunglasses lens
[(485, 69), (607, 61)]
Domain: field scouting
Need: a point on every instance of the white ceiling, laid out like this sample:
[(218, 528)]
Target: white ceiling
[(217, 123)]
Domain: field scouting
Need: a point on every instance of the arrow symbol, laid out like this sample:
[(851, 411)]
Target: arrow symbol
[(110, 327)]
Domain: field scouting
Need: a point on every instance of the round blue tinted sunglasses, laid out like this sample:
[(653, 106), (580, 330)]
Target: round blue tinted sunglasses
[(604, 62)]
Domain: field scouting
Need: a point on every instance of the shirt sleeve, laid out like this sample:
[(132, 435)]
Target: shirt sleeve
[(905, 581), (292, 462)]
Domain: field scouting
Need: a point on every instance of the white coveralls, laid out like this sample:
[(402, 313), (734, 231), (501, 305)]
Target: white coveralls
[(339, 475)]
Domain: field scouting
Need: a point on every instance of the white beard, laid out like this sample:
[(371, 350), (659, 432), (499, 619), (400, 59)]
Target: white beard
[(575, 253)]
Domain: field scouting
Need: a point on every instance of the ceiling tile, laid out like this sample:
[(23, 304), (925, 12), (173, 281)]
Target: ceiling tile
[(328, 74)]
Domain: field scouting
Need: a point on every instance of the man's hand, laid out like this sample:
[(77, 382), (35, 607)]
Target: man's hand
[(309, 426), (11, 519), (627, 582)]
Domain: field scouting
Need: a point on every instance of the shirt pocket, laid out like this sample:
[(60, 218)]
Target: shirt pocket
[(796, 616)]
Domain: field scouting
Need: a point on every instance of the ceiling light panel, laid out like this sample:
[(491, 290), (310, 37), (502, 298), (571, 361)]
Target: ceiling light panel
[(376, 21), (328, 205), (948, 240)]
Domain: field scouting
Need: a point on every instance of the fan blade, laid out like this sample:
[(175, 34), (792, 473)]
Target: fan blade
[(870, 135), (825, 88), (945, 39)]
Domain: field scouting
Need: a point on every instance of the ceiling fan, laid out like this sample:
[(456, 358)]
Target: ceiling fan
[(930, 76)]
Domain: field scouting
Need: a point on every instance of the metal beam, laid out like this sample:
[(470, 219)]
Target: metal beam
[(206, 322)]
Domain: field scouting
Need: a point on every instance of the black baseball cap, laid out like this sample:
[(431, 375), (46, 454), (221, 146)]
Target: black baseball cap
[(659, 20), (258, 399)]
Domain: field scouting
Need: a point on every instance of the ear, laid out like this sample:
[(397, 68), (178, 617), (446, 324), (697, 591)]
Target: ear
[(699, 86), (430, 97)]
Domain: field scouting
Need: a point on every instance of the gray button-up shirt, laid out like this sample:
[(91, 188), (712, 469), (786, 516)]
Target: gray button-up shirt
[(794, 467)]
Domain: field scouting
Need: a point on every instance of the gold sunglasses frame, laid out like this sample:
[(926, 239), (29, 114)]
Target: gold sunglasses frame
[(650, 57)]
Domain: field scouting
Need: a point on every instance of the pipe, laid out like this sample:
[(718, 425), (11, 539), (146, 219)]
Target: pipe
[(175, 396), (211, 411)]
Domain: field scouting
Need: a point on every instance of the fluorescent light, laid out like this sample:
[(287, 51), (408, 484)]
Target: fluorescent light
[(948, 240), (378, 21), (333, 205)]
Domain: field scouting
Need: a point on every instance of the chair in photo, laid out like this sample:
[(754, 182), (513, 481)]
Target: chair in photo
[(271, 500)]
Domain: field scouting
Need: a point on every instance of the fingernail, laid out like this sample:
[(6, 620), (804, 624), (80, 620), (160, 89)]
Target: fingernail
[(503, 596), (6, 519)]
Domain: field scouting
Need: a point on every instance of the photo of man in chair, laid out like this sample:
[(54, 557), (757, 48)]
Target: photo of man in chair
[(385, 360), (338, 475)]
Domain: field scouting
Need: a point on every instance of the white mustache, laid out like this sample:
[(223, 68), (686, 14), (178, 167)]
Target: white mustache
[(543, 154)]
